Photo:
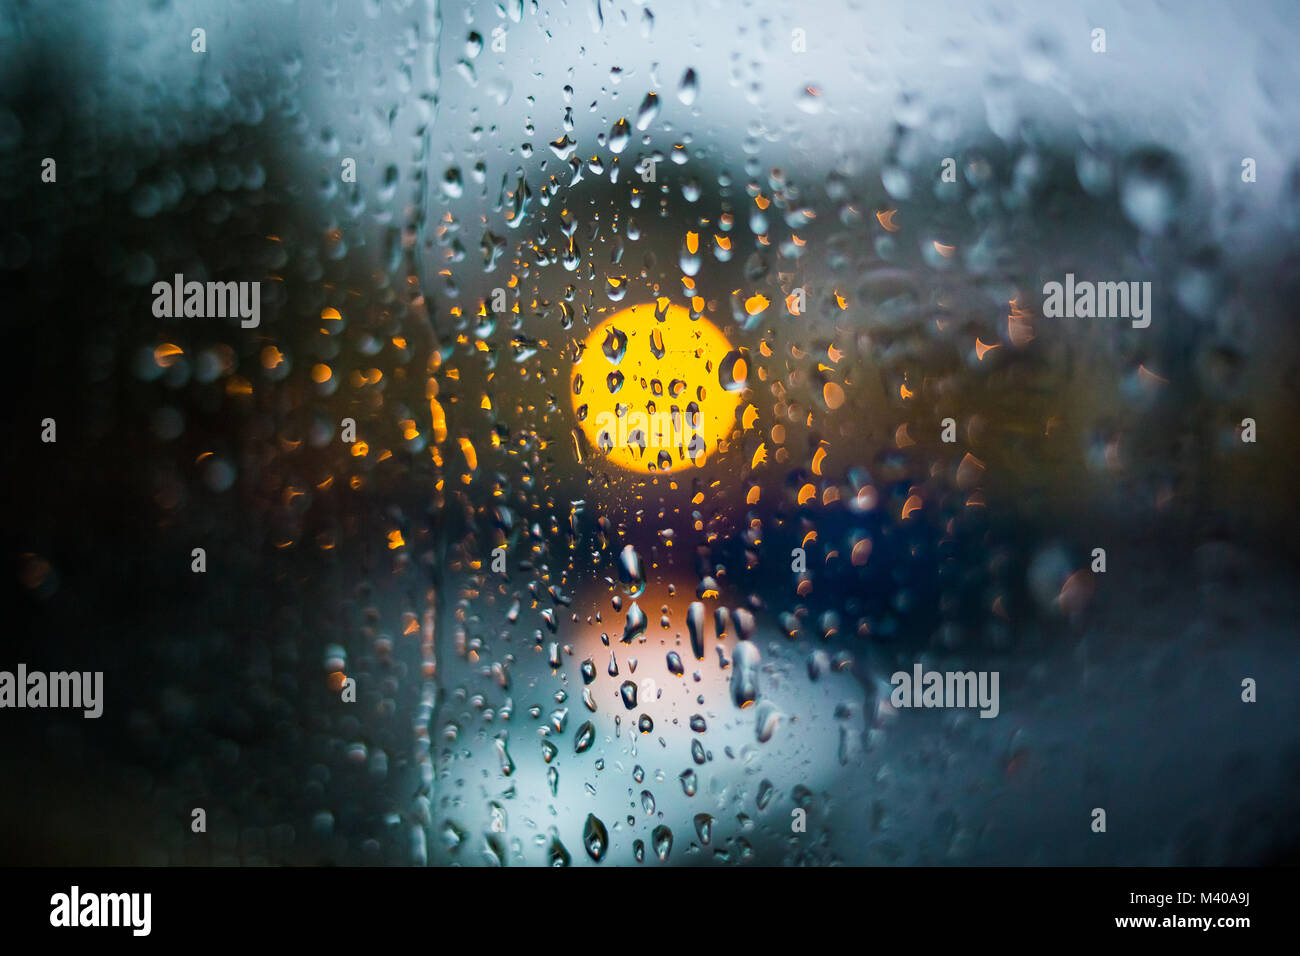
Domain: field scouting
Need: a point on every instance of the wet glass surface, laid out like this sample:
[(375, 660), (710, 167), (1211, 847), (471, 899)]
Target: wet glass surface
[(629, 394)]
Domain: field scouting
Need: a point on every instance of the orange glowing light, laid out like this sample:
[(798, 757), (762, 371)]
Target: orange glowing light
[(1150, 377), (651, 394), (819, 456), (164, 355)]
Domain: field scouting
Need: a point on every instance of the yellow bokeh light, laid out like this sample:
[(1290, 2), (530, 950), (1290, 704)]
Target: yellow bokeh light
[(656, 390)]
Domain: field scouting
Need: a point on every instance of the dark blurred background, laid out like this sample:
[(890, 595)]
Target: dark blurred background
[(821, 170)]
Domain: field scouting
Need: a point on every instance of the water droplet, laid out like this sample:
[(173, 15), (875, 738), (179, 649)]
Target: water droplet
[(766, 720), (619, 136), (662, 839), (388, 188), (452, 836), (689, 88), (507, 764), (559, 718), (558, 855), (818, 664), (648, 111), (744, 621), (636, 623), (689, 782), (1153, 188), (687, 261), (563, 147), (704, 828), (628, 692), (615, 345), (744, 674), (452, 187), (585, 738), (631, 571), (810, 100), (595, 838), (733, 371), (695, 625)]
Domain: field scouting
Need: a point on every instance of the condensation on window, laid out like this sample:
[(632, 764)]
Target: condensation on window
[(718, 433)]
